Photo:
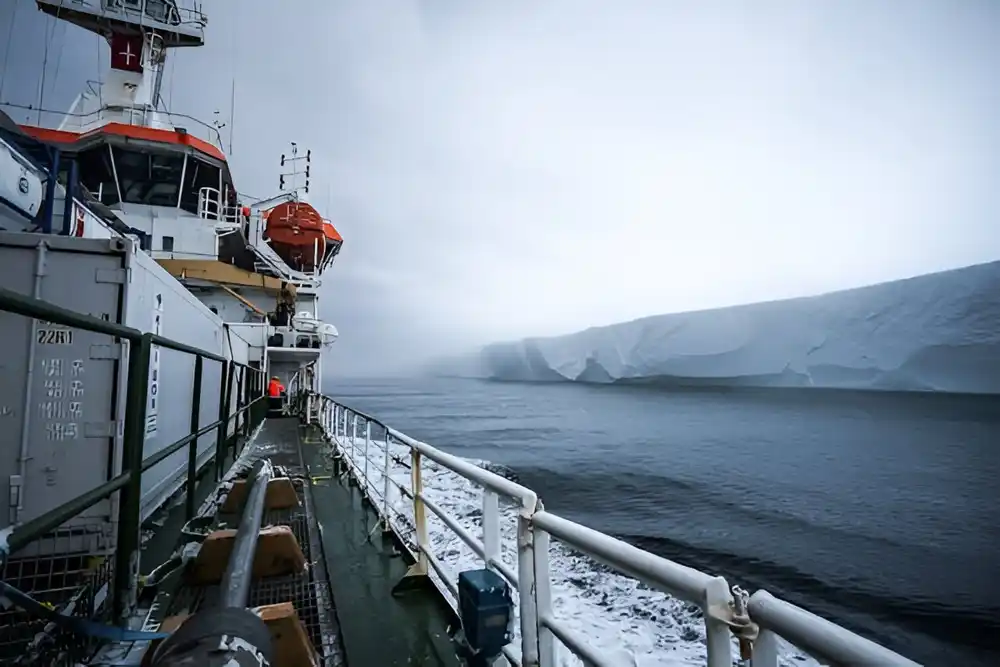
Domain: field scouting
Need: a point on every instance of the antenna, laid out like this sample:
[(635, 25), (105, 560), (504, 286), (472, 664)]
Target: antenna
[(232, 116), (292, 162)]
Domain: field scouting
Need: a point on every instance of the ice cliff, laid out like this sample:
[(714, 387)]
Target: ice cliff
[(937, 332)]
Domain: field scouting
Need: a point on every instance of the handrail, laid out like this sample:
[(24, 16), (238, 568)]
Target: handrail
[(728, 613), (129, 482), (470, 471), (118, 113)]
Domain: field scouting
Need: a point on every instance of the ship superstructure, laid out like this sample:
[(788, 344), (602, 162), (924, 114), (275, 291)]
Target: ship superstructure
[(257, 264)]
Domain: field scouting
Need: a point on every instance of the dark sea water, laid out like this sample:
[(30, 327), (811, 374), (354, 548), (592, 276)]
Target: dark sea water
[(878, 511)]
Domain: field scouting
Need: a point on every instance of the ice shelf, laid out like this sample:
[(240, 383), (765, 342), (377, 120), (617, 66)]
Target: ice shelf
[(936, 332)]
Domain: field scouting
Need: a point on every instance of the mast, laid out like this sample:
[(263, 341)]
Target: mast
[(139, 33)]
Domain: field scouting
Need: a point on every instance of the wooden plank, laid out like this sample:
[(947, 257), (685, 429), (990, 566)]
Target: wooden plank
[(292, 647), (278, 553)]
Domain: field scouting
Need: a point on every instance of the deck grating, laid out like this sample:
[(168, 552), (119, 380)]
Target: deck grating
[(309, 592)]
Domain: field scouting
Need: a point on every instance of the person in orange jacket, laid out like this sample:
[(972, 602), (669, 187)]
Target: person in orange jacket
[(275, 389)]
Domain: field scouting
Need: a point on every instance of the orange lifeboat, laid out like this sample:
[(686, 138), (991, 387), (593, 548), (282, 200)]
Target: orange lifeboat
[(300, 236)]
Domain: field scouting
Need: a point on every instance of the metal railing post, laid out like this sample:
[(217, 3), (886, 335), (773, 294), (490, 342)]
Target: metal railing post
[(237, 424), (129, 506), (247, 393), (543, 598), (717, 633), (765, 650), (192, 470), (419, 514), (386, 477), (226, 373), (491, 528), (354, 437), (368, 439)]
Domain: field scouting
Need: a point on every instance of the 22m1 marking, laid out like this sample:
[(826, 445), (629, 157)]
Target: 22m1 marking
[(54, 337)]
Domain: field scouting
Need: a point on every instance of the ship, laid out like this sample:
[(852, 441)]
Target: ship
[(178, 490)]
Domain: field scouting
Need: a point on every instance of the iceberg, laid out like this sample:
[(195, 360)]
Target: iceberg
[(936, 332)]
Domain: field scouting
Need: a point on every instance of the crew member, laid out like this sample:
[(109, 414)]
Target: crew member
[(285, 309), (275, 390)]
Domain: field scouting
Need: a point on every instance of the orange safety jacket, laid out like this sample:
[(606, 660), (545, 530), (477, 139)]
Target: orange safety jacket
[(275, 388)]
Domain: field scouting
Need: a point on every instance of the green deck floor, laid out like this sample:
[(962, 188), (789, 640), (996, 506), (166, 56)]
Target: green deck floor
[(378, 629)]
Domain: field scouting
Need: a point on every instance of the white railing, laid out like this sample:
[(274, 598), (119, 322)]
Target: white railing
[(396, 462), (210, 207), (136, 115)]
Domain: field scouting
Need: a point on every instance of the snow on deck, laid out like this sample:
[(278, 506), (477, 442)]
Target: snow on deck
[(616, 613)]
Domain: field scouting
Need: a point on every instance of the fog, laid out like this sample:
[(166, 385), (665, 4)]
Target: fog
[(511, 168)]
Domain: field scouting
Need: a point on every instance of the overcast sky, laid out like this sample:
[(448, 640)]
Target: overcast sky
[(512, 168)]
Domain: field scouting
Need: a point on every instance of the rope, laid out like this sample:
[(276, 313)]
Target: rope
[(6, 53), (55, 75), (74, 624), (45, 66), (100, 84)]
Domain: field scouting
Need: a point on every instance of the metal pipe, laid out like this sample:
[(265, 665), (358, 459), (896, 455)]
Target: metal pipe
[(50, 191), (22, 459), (67, 229), (226, 383), (680, 580), (821, 638), (239, 570), (470, 471), (127, 552), (13, 302), (192, 470)]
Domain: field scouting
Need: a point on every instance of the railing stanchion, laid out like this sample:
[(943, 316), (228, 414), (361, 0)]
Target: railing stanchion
[(130, 499), (386, 477), (546, 646), (240, 374), (419, 515), (225, 381), (491, 528), (765, 650), (192, 468), (717, 633), (368, 439), (354, 437), (247, 394)]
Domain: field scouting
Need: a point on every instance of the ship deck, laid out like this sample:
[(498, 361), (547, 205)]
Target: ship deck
[(344, 598)]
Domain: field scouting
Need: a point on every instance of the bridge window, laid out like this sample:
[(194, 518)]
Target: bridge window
[(167, 244), (97, 175), (149, 178), (198, 175)]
